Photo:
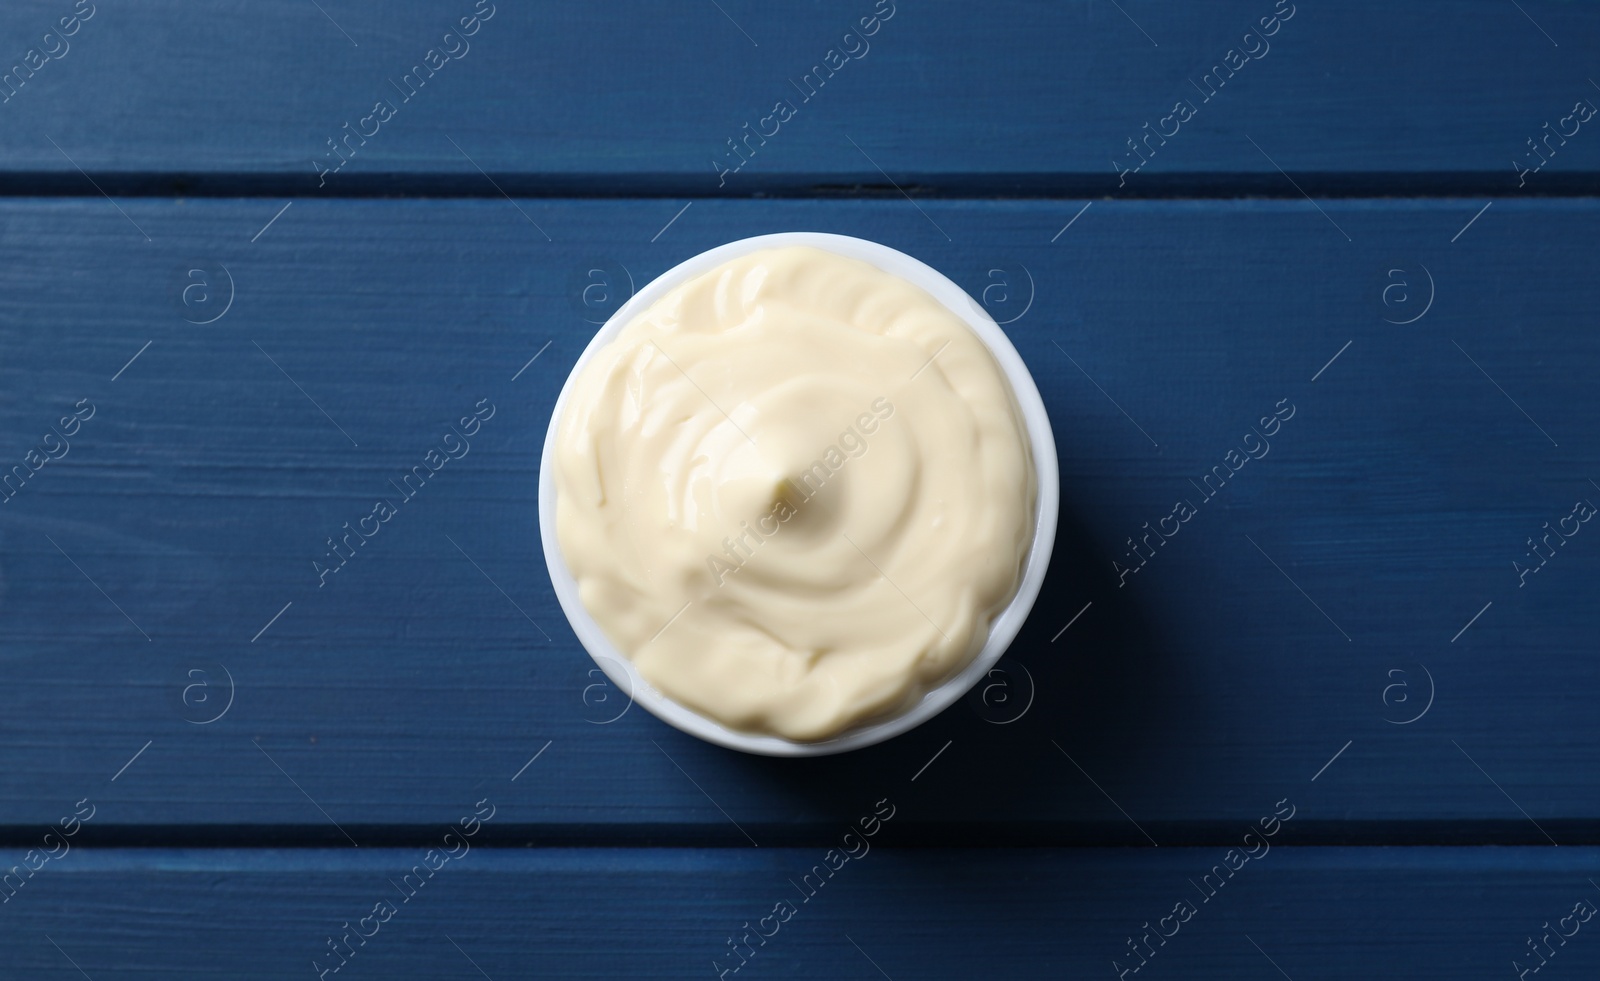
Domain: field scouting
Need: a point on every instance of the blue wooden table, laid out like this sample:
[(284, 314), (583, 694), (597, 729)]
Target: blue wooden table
[(1340, 722)]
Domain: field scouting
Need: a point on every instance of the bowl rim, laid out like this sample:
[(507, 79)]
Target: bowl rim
[(1004, 626)]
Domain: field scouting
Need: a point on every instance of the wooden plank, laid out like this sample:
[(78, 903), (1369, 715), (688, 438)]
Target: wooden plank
[(598, 913), (180, 531), (1024, 97)]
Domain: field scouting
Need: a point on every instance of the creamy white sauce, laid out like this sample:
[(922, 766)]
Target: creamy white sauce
[(794, 491)]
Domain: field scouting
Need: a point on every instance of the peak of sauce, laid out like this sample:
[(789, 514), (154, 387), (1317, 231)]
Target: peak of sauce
[(794, 491)]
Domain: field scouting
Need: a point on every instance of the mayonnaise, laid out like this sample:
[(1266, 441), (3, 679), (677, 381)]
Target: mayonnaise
[(794, 491)]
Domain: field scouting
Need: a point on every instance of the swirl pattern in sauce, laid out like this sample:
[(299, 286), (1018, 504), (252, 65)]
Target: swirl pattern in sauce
[(795, 491)]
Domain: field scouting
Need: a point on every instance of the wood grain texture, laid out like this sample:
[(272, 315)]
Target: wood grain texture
[(272, 319), (1027, 97), (1314, 913), (1224, 675)]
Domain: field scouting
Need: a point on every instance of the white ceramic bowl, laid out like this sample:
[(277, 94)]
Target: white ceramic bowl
[(1002, 629)]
